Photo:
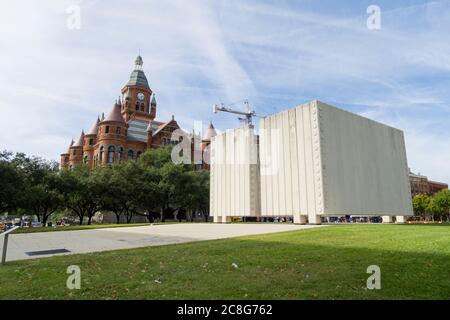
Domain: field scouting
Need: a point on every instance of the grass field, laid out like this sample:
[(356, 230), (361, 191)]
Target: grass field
[(77, 227), (323, 263)]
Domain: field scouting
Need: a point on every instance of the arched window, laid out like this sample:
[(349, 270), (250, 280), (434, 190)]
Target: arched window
[(111, 151), (130, 155), (137, 105), (85, 159), (120, 153), (142, 106), (118, 130), (102, 152)]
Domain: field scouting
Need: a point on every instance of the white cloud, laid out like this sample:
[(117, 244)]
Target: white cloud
[(277, 54)]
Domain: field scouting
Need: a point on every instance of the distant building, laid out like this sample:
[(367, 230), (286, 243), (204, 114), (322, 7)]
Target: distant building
[(128, 130), (435, 187), (421, 185)]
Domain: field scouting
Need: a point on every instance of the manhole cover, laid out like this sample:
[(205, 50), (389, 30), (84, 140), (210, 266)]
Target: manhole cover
[(44, 252)]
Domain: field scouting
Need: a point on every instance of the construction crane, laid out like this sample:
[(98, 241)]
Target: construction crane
[(248, 113)]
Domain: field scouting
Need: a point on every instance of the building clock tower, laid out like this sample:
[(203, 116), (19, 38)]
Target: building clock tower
[(138, 101)]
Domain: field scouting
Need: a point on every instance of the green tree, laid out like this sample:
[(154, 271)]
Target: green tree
[(179, 187), (156, 158), (11, 184), (442, 204), (111, 197), (123, 185), (192, 193), (421, 205), (82, 192), (171, 187), (148, 193), (40, 195), (203, 191)]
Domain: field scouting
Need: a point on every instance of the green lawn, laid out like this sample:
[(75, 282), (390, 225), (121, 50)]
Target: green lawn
[(323, 263), (77, 227)]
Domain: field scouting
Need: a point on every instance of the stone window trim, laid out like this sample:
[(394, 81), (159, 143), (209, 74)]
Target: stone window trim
[(101, 153), (111, 151), (120, 152), (85, 158)]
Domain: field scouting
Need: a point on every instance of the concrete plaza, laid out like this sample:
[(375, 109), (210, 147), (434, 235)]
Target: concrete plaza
[(85, 241)]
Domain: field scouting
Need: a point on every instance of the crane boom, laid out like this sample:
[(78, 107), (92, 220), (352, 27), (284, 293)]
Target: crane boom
[(248, 114)]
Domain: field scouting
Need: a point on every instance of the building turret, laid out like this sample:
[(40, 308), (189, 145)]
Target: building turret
[(64, 163), (111, 137), (210, 132), (76, 152), (153, 107), (90, 140)]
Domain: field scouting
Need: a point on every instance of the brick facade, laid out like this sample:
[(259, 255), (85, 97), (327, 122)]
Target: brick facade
[(421, 185)]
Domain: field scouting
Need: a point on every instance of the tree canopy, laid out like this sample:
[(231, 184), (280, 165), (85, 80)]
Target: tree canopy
[(433, 207), (151, 186)]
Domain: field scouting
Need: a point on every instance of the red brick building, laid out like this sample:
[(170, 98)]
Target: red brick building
[(421, 185), (435, 187), (128, 130)]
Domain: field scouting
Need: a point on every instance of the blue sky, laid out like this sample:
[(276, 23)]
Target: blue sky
[(55, 81)]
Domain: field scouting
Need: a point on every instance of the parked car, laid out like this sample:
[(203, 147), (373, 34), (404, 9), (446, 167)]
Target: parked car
[(36, 224)]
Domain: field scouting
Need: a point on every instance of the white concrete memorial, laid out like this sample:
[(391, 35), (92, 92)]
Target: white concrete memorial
[(313, 161)]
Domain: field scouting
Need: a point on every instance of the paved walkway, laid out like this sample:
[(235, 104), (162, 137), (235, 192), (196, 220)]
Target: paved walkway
[(84, 241)]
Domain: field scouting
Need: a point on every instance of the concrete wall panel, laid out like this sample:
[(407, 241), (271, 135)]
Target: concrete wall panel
[(365, 166), (332, 162), (234, 175)]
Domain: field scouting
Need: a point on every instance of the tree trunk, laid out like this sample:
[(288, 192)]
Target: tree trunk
[(81, 219), (44, 220), (129, 217), (117, 218), (89, 220), (188, 218), (175, 214), (161, 214)]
